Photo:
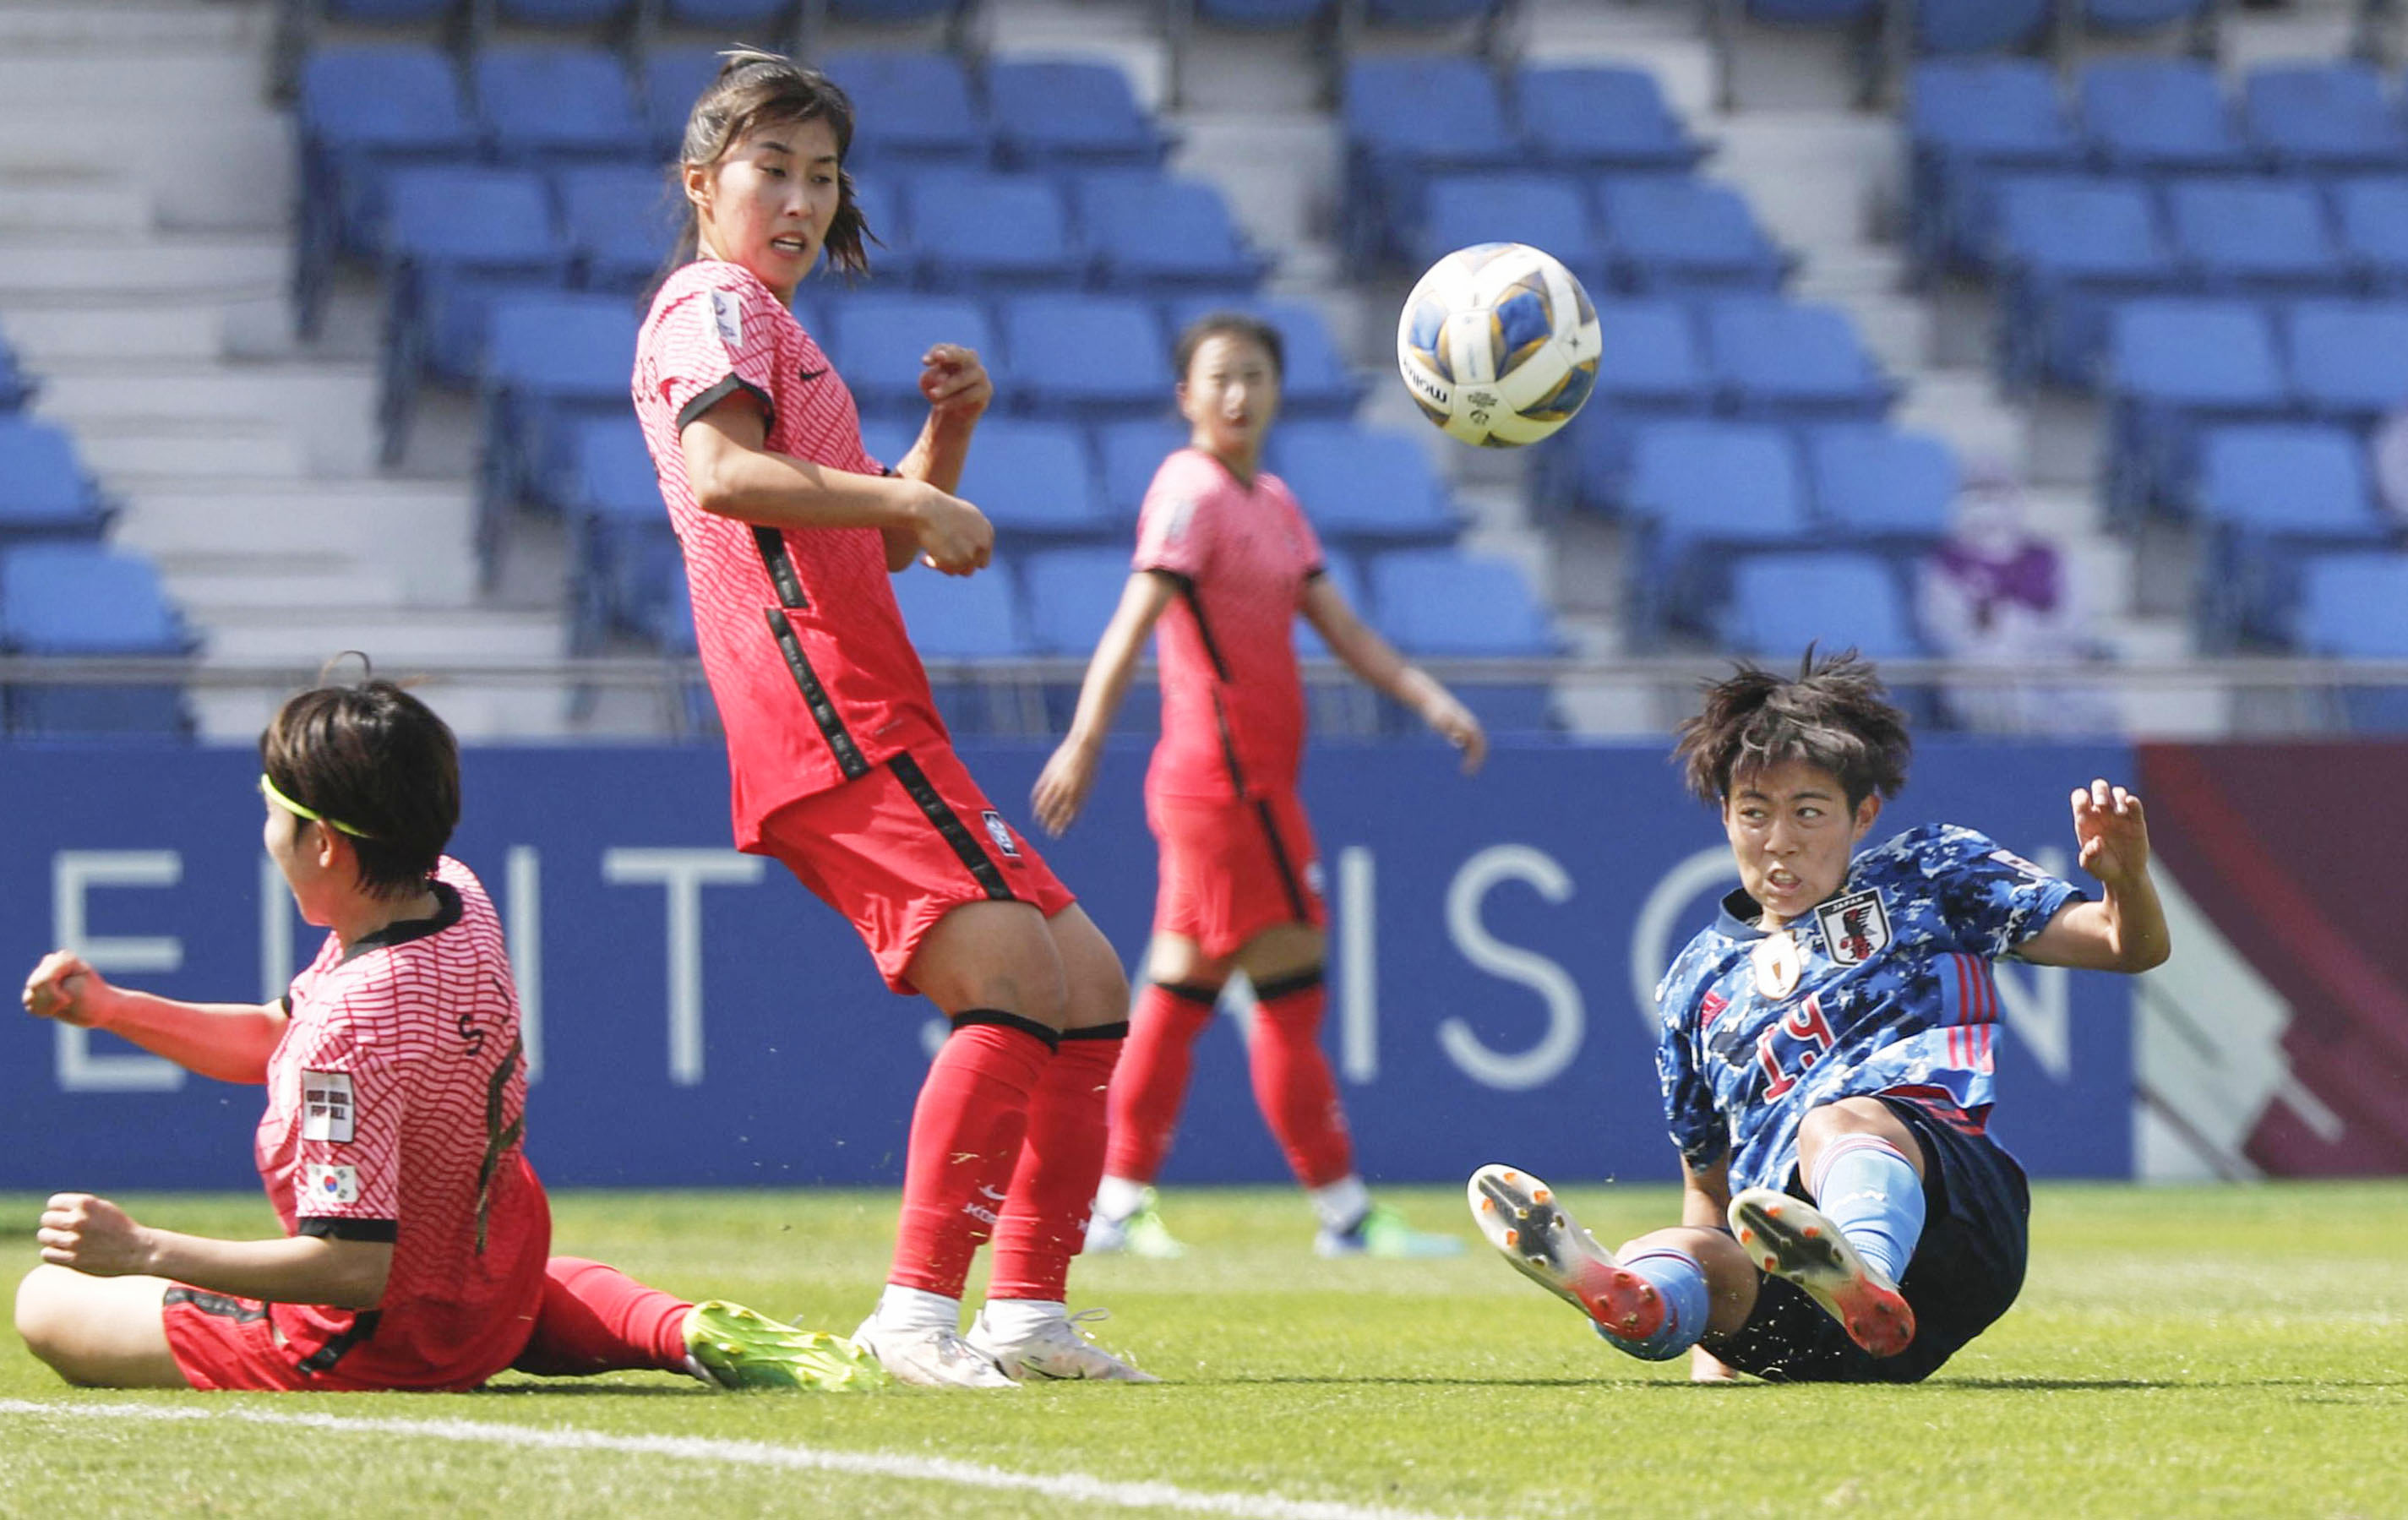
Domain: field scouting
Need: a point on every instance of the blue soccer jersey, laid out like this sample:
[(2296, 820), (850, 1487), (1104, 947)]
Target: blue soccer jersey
[(1885, 987)]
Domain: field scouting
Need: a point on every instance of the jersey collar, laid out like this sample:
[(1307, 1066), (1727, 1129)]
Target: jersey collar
[(446, 912)]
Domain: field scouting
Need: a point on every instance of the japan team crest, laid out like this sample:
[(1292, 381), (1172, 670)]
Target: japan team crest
[(1855, 927)]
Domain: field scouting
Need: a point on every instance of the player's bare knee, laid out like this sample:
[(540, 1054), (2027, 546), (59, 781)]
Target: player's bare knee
[(40, 1313)]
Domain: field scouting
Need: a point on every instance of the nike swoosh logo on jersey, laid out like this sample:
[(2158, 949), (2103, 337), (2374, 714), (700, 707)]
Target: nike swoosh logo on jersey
[(810, 374)]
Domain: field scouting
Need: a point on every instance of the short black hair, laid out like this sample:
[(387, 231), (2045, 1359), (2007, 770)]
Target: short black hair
[(1239, 324), (1835, 716), (381, 762)]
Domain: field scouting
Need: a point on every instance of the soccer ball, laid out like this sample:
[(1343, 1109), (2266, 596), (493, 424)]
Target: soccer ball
[(1499, 344)]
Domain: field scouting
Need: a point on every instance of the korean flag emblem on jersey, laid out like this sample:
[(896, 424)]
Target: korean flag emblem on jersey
[(326, 1111), (727, 315), (1000, 832), (323, 1184), (1855, 927)]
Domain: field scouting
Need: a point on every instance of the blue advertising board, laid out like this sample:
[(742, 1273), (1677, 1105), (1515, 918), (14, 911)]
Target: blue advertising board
[(697, 1019)]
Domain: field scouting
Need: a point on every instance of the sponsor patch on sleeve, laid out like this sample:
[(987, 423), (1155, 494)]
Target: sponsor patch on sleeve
[(2017, 862), (727, 315), (322, 1184), (326, 1111)]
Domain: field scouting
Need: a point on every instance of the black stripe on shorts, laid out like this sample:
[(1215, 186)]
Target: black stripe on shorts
[(973, 855)]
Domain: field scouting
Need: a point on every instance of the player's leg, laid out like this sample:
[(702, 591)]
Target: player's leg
[(1851, 1248), (594, 1318), (1148, 1089), (1026, 1325), (98, 1332)]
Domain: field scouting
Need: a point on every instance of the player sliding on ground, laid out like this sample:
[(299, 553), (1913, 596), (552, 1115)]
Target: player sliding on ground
[(415, 1253), (840, 767), (1826, 1056), (1225, 561)]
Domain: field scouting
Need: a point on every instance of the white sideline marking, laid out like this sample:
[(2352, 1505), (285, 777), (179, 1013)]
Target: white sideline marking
[(1076, 1487)]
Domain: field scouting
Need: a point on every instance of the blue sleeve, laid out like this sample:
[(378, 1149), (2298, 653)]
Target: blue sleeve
[(1696, 1123), (1992, 899)]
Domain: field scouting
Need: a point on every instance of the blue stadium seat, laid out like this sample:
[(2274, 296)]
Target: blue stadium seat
[(1598, 118), (2139, 15), (392, 12), (1979, 26), (2349, 359), (2243, 237), (964, 617), (893, 13), (44, 491), (1059, 113), (1969, 123), (1090, 356), (894, 258), (1699, 490), (2268, 495), (2068, 249), (979, 231), (1674, 236), (877, 341), (2372, 216), (546, 104), (1035, 479), (1780, 603), (1264, 15), (551, 360), (2323, 118), (2161, 115), (1070, 593), (2174, 366), (2355, 607), (1405, 120), (17, 388), (734, 17), (1812, 12), (1883, 487), (911, 107), (1440, 602), (565, 13), (1318, 382), (85, 600), (670, 81), (1427, 12), (1363, 485), (622, 554), (1543, 211), (362, 112), (1651, 367), (1153, 233), (1132, 450), (1786, 361), (455, 238), (620, 221)]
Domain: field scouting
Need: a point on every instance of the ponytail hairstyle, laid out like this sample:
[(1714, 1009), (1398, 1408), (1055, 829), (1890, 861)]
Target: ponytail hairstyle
[(755, 90), (1835, 716)]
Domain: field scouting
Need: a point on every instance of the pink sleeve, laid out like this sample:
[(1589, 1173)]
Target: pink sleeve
[(1172, 534), (714, 340), (353, 1106)]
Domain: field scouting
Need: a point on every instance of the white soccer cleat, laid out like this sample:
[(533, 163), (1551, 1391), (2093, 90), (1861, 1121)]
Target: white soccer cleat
[(1522, 1219), (933, 1358), (1058, 1348), (1790, 1238)]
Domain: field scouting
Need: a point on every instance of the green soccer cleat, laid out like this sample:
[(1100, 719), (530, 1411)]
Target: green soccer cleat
[(1141, 1234), (1383, 1232), (730, 1346), (1792, 1238)]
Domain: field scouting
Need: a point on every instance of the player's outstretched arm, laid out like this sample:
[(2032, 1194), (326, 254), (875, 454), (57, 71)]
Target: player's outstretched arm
[(958, 391), (229, 1041), (2125, 929), (733, 474), (1063, 785), (96, 1237), (1378, 664)]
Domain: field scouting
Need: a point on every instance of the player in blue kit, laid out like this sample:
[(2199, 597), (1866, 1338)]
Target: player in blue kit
[(1827, 1056)]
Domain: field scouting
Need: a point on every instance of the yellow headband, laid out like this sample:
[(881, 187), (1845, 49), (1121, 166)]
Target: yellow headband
[(267, 789)]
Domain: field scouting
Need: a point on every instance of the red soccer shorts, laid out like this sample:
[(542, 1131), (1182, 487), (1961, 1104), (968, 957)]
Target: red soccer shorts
[(898, 848), (226, 1342), (1232, 869)]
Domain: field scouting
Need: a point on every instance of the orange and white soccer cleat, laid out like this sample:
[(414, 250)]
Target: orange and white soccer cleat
[(1521, 1218), (1790, 1238)]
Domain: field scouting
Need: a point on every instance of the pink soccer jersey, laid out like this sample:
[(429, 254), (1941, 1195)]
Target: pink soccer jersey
[(397, 1103), (1232, 698), (806, 652)]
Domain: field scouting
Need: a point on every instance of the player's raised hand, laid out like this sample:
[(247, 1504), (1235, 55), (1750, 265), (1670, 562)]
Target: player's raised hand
[(92, 1235), (953, 536), (65, 988), (1063, 785), (2112, 831), (955, 382)]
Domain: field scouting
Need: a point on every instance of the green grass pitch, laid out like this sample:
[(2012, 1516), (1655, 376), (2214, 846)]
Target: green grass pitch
[(2179, 1351)]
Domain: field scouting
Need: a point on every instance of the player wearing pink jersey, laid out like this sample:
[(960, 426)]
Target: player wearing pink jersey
[(415, 1253), (839, 766), (1225, 563)]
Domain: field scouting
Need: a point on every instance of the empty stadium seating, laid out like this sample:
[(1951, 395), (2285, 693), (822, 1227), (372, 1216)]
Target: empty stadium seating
[(83, 599)]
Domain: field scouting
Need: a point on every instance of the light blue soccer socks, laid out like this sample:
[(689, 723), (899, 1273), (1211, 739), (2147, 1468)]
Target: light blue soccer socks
[(1680, 1281), (1866, 1187)]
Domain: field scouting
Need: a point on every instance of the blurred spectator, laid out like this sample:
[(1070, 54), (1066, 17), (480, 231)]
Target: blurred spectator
[(1995, 594)]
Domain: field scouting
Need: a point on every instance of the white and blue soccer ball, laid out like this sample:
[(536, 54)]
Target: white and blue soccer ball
[(1499, 344)]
